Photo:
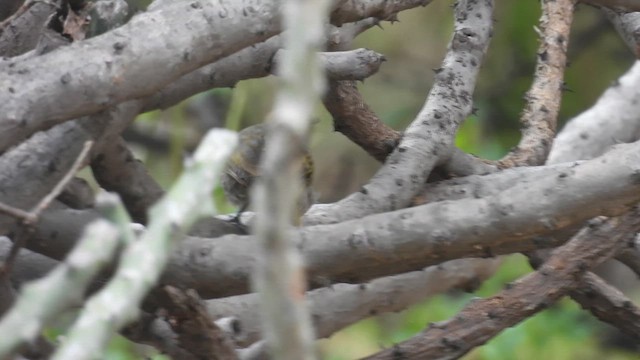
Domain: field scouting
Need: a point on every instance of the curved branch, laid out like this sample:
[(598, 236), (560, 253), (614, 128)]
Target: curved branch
[(430, 135), (357, 121)]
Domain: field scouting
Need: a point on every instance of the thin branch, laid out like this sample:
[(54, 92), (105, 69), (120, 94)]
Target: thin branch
[(482, 319), (42, 300), (79, 163), (539, 118), (279, 273), (170, 217), (430, 135)]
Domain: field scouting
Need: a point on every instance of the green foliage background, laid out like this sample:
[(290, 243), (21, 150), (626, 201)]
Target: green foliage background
[(414, 46)]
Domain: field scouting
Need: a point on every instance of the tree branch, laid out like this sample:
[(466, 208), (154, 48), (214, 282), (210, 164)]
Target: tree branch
[(133, 278), (116, 169), (430, 135), (612, 120), (626, 5), (509, 221), (69, 86), (539, 117), (356, 64), (196, 331), (482, 319), (43, 299), (279, 276), (359, 301)]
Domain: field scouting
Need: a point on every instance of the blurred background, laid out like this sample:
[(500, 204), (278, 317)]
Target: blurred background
[(414, 46)]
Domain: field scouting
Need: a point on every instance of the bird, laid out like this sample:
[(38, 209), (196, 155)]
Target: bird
[(243, 168)]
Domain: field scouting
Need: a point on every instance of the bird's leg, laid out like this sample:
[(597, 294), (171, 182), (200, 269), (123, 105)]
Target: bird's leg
[(236, 219)]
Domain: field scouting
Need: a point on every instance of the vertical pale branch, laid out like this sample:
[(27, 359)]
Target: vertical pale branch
[(279, 276), (540, 116), (143, 260)]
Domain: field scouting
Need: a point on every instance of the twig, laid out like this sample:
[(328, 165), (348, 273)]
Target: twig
[(29, 219), (539, 118), (482, 319), (44, 203)]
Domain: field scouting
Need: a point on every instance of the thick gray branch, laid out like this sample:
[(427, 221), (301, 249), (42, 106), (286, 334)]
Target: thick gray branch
[(129, 62)]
